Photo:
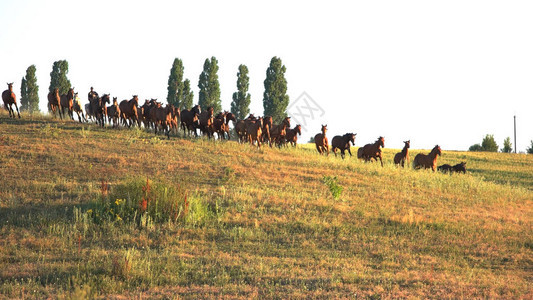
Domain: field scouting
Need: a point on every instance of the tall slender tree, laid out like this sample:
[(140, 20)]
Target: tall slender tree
[(29, 91), (175, 83), (187, 95), (275, 98), (240, 106), (209, 87), (58, 77), (23, 95)]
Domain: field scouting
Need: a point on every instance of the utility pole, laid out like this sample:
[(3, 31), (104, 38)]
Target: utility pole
[(515, 134)]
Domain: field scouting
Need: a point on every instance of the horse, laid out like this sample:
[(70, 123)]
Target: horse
[(461, 167), (54, 102), (77, 108), (113, 113), (277, 133), (240, 127), (67, 102), (267, 127), (321, 141), (401, 157), (92, 106), (254, 131), (445, 168), (9, 99), (429, 160), (176, 115), (369, 151), (219, 125), (229, 117), (342, 143), (99, 108), (190, 119), (128, 110), (162, 117), (206, 121), (291, 135)]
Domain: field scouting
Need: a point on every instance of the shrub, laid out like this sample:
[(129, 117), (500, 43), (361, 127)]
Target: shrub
[(145, 202), (489, 144), (507, 145), (530, 149), (334, 187), (475, 147)]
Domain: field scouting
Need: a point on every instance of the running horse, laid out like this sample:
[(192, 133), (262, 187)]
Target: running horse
[(369, 151), (427, 161), (9, 99), (401, 157), (67, 102), (54, 102), (321, 141), (128, 110), (343, 143)]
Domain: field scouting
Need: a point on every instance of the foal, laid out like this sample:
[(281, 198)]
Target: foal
[(402, 157)]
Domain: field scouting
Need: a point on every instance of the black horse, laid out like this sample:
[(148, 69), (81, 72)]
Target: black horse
[(343, 143)]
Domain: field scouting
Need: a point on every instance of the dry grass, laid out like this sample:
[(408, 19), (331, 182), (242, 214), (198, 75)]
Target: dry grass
[(273, 228)]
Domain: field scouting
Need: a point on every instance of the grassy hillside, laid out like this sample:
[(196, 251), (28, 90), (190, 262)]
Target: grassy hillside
[(253, 223)]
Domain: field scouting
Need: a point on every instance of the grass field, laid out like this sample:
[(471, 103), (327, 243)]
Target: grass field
[(230, 221)]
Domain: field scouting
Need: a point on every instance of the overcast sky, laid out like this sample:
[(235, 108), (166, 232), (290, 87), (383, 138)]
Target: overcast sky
[(445, 72)]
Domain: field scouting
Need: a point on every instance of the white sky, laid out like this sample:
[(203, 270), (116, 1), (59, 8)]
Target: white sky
[(445, 72)]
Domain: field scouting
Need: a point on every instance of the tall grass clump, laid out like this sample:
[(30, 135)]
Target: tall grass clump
[(334, 188), (146, 202)]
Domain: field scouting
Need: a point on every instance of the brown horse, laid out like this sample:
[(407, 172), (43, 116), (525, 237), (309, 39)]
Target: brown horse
[(402, 157), (206, 121), (219, 125), (128, 110), (9, 99), (189, 120), (343, 143), (240, 128), (291, 135), (461, 167), (162, 117), (369, 151), (229, 117), (113, 113), (254, 131), (67, 102), (278, 132), (54, 102), (321, 141), (429, 160), (267, 128)]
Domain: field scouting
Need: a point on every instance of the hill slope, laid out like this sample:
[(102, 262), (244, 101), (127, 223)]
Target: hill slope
[(261, 223)]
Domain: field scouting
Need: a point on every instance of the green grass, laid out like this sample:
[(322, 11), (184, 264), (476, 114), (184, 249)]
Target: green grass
[(261, 223)]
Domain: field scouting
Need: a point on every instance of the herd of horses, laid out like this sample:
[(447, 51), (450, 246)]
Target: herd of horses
[(254, 130), (373, 151)]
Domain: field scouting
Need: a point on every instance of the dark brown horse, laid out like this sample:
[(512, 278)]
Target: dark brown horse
[(54, 102), (128, 110), (458, 168), (206, 121), (291, 135), (113, 113), (219, 125), (372, 151), (429, 160), (402, 157), (190, 120), (343, 143), (267, 128), (99, 108), (162, 117), (67, 102), (240, 128), (229, 117), (321, 141)]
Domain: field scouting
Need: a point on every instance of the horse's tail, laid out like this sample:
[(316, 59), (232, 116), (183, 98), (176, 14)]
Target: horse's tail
[(360, 153)]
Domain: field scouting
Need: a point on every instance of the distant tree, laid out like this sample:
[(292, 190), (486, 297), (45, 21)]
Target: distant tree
[(475, 147), (275, 98), (530, 149), (507, 146), (187, 95), (175, 83), (489, 144), (29, 91), (240, 106), (23, 95), (58, 77), (311, 140), (209, 94)]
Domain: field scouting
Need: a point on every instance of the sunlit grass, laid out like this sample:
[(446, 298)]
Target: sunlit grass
[(266, 226)]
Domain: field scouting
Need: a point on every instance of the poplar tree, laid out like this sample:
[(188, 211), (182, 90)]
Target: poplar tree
[(275, 98), (29, 91), (209, 94), (187, 95), (175, 83), (240, 106), (58, 77)]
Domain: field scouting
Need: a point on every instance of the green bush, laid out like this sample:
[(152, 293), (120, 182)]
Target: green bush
[(334, 187), (488, 144)]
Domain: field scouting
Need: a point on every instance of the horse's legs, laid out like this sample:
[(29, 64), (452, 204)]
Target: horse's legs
[(342, 153), (318, 149), (349, 151), (17, 107)]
